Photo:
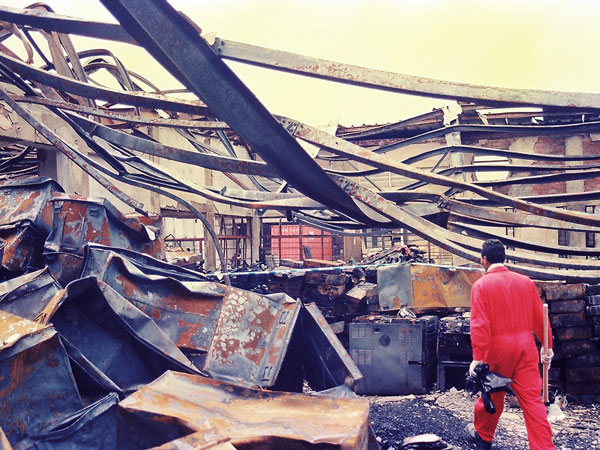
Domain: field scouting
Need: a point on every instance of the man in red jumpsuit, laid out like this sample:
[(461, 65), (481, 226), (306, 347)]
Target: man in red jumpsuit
[(505, 309)]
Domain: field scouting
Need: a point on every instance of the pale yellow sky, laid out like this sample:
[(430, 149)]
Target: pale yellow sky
[(526, 44)]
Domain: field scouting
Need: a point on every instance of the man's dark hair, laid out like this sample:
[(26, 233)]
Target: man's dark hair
[(493, 250)]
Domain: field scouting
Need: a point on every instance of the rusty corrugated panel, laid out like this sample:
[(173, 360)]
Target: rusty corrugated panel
[(247, 418), (25, 221), (326, 362), (27, 295), (251, 338), (36, 383), (115, 336), (186, 311), (92, 428), (79, 220), (423, 286)]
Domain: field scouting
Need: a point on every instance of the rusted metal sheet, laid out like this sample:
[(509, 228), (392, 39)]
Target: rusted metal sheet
[(115, 336), (326, 362), (186, 311), (78, 220), (27, 295), (36, 383), (96, 256), (423, 286), (251, 338), (243, 417), (93, 428), (25, 221), (92, 383)]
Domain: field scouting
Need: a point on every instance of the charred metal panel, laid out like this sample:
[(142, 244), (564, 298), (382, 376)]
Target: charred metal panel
[(252, 336), (96, 256), (246, 418), (36, 383), (186, 311), (423, 286), (92, 383), (396, 355), (115, 336), (93, 427), (326, 362), (25, 221), (26, 296), (27, 201), (79, 220)]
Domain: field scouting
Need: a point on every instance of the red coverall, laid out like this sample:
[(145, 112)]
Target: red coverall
[(505, 308)]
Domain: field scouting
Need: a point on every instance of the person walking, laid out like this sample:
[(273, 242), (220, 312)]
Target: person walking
[(505, 309)]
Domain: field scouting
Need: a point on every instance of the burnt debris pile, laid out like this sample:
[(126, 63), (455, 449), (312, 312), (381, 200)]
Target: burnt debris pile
[(103, 344)]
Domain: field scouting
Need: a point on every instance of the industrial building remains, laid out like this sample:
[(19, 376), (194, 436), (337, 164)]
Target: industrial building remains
[(187, 270)]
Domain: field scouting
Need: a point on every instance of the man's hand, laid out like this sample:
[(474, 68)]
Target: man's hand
[(546, 355), (472, 367)]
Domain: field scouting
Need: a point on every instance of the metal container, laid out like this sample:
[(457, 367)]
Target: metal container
[(395, 355), (423, 286)]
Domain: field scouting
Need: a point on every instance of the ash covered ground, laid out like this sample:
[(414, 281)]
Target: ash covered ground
[(446, 414)]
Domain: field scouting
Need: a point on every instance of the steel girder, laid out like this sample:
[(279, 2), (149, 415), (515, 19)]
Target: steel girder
[(319, 68), (158, 27), (345, 148)]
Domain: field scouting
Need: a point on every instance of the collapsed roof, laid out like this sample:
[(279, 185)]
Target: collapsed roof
[(284, 175)]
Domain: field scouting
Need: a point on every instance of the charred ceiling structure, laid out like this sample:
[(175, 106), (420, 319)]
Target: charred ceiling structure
[(105, 343), (56, 111)]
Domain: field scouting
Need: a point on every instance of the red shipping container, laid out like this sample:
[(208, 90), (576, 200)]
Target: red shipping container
[(289, 244)]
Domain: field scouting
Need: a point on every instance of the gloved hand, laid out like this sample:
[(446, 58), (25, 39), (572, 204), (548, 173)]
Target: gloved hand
[(472, 367), (546, 357)]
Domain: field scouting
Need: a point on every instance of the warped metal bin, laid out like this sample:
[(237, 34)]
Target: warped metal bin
[(422, 286), (395, 355)]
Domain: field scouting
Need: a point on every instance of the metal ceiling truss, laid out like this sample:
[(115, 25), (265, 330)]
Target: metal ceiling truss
[(323, 197)]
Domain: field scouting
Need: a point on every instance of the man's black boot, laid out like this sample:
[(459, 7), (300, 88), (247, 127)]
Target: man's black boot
[(476, 439)]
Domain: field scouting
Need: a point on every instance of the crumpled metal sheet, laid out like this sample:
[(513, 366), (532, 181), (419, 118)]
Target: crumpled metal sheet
[(36, 383), (92, 383), (326, 362), (27, 295), (423, 286), (244, 417), (25, 221), (116, 337), (187, 311), (93, 427), (95, 257), (251, 338), (78, 220)]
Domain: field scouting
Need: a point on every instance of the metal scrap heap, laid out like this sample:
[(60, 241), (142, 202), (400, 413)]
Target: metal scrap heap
[(104, 345)]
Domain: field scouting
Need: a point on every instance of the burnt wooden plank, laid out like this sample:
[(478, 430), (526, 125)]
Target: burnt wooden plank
[(583, 388), (573, 333), (566, 306), (567, 348), (565, 291), (333, 279), (555, 375), (582, 361), (584, 375), (568, 320)]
